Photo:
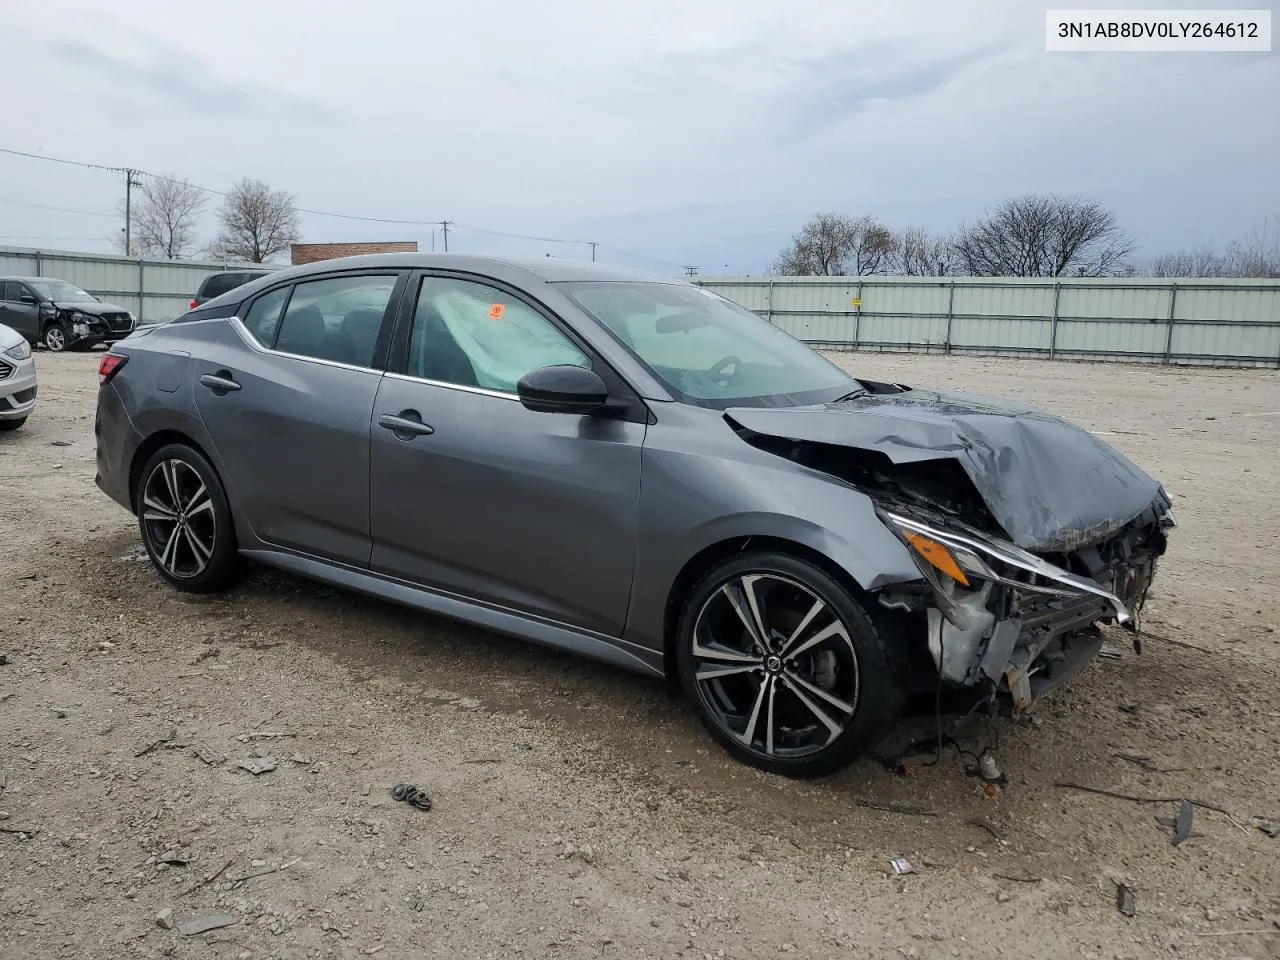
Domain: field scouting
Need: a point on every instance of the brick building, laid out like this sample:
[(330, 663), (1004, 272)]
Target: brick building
[(311, 252)]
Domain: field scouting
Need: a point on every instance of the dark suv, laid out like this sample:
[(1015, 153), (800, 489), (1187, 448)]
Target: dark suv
[(217, 284)]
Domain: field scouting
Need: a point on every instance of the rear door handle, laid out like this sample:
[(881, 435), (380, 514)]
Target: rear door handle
[(406, 425), (220, 382)]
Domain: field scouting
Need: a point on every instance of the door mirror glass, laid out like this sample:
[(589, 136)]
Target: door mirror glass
[(27, 298), (562, 389)]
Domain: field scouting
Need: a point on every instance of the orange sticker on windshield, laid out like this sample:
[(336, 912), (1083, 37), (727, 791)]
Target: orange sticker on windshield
[(496, 311)]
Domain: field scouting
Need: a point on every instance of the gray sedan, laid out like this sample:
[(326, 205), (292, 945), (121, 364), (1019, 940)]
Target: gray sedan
[(633, 469)]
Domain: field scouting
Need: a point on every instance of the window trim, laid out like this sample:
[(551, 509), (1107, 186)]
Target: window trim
[(624, 402), (382, 344)]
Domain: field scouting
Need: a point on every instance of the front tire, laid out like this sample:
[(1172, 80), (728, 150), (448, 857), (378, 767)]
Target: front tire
[(186, 522), (785, 668), (56, 336), (7, 425)]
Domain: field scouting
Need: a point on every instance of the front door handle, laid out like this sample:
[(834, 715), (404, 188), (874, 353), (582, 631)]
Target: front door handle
[(406, 425), (220, 383)]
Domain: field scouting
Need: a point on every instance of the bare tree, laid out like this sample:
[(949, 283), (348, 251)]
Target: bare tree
[(1043, 236), (1204, 262), (917, 254), (1257, 255), (832, 245), (163, 215), (257, 222)]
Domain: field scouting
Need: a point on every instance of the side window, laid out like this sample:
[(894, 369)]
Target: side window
[(474, 335), (12, 290), (264, 316), (336, 319)]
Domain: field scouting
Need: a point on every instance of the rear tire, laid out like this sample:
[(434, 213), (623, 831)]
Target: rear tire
[(185, 521), (56, 336), (7, 425), (786, 669)]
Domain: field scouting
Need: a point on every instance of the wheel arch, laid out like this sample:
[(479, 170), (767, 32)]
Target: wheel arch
[(707, 558), (153, 442)]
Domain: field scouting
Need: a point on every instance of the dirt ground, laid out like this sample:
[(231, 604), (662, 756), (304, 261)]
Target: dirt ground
[(580, 811)]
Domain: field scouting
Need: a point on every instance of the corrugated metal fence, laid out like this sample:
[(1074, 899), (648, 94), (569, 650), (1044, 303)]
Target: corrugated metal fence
[(1218, 322), (153, 290)]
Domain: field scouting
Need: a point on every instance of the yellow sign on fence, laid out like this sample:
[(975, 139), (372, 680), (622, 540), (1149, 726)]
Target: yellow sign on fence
[(855, 302)]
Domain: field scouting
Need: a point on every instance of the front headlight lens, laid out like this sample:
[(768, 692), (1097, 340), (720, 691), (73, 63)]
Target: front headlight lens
[(19, 352)]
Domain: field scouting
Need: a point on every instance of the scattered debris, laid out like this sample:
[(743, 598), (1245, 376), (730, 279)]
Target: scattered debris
[(213, 921), (1130, 708), (1003, 897), (1142, 760), (1108, 652), (264, 735), (988, 826), (258, 765), (26, 831), (4, 659), (408, 793), (891, 806), (902, 865), (173, 858), (210, 878), (300, 759), (172, 735), (207, 755), (1182, 825), (164, 918), (263, 871), (60, 712), (1125, 901), (989, 769), (1270, 827), (1263, 932), (1006, 876), (59, 443), (1068, 785), (204, 655)]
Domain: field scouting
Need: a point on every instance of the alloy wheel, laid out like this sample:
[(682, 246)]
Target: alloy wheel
[(774, 666), (178, 519), (55, 338)]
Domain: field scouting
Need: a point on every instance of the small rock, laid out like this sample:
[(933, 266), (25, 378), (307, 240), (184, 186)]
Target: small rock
[(364, 789), (244, 955), (4, 815), (300, 759), (1212, 915), (586, 853), (1003, 897), (59, 712), (758, 848), (164, 918), (131, 893)]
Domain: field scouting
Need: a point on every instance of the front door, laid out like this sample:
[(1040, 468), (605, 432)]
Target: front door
[(476, 495), (23, 316), (289, 412)]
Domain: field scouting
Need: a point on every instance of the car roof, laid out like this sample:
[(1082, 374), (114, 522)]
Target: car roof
[(547, 269)]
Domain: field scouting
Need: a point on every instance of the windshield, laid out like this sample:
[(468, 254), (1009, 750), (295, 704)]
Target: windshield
[(709, 350), (61, 291)]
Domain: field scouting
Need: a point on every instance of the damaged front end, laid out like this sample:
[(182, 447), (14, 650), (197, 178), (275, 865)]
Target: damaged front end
[(1020, 622)]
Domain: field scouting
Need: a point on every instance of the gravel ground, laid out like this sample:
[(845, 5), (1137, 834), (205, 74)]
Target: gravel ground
[(580, 811)]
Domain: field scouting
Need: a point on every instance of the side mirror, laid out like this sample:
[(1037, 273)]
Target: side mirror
[(562, 389), (28, 298)]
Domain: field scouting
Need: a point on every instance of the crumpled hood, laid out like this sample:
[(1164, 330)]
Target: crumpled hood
[(1049, 484), (93, 309)]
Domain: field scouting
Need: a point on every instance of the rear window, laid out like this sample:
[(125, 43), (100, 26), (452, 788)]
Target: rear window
[(220, 283)]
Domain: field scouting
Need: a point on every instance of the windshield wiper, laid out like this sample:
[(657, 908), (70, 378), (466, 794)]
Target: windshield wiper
[(852, 395)]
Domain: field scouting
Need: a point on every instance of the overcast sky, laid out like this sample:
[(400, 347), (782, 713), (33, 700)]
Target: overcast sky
[(696, 133)]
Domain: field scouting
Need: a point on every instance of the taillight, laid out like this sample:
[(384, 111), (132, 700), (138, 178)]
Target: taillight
[(112, 363), (193, 304)]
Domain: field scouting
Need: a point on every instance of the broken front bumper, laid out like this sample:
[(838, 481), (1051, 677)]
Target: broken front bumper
[(1014, 619)]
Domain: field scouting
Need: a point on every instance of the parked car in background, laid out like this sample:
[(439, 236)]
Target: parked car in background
[(806, 550), (216, 284), (17, 379), (59, 314)]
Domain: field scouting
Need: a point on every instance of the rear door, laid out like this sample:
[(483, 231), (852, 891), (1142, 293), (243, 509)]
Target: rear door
[(288, 406)]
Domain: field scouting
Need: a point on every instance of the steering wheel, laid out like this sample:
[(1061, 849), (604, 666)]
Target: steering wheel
[(717, 368)]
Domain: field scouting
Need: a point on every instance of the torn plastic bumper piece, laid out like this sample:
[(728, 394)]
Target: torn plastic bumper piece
[(1021, 623)]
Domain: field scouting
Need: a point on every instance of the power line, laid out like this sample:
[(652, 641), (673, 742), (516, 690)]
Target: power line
[(128, 171), (44, 206)]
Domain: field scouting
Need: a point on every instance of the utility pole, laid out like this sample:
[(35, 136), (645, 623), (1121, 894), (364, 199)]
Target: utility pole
[(690, 270), (593, 244), (130, 181), (445, 226)]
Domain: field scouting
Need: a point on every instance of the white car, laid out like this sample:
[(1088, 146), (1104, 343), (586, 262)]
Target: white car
[(17, 379)]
